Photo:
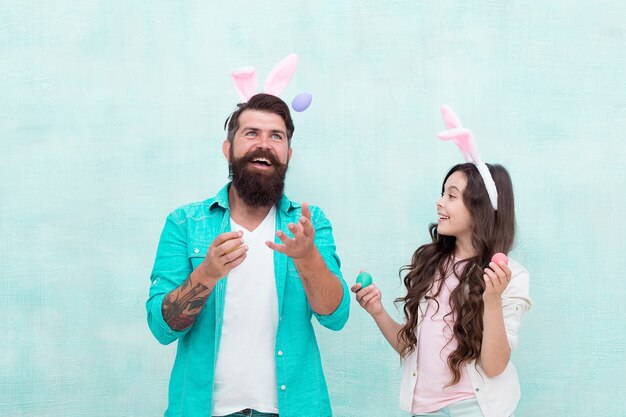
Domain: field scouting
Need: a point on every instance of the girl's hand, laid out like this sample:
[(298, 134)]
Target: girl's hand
[(497, 277), (368, 298)]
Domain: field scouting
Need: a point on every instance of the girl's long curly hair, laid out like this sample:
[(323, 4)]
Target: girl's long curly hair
[(492, 231)]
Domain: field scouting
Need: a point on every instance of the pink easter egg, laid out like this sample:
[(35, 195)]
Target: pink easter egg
[(499, 258)]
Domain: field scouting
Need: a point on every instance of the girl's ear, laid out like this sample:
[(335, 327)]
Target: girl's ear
[(245, 82), (280, 75)]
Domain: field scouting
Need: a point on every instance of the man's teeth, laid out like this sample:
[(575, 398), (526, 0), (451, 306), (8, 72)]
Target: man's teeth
[(262, 160), (444, 217)]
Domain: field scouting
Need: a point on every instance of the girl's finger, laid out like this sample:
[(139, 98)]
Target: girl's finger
[(375, 299), (356, 287), (488, 284), (495, 267), (368, 297), (491, 274)]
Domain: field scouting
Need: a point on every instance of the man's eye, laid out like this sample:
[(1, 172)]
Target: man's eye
[(251, 134), (451, 196), (276, 136)]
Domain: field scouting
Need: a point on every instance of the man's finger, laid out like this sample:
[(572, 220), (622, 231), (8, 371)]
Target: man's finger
[(307, 226), (276, 247), (236, 262), (234, 248), (225, 237), (283, 237), (306, 212), (296, 228), (234, 253), (230, 246)]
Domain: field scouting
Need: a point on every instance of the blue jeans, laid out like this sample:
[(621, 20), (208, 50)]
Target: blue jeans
[(250, 413), (464, 408)]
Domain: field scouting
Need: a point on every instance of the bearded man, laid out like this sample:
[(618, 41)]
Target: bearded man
[(237, 279)]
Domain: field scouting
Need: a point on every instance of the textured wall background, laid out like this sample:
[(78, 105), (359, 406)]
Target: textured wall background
[(111, 116)]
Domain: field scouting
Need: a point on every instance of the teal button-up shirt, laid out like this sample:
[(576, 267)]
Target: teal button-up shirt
[(187, 234)]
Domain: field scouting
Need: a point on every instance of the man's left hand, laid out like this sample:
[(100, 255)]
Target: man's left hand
[(303, 235)]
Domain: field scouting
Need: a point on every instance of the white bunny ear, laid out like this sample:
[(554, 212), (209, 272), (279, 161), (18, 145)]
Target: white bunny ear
[(244, 80), (281, 75)]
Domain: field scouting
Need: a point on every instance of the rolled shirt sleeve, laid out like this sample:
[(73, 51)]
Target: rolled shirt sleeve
[(171, 268), (325, 243), (515, 301)]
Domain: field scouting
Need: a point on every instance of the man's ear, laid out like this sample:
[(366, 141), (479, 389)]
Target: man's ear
[(290, 152), (226, 149)]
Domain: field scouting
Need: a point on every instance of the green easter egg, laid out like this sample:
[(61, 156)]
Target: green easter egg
[(364, 279)]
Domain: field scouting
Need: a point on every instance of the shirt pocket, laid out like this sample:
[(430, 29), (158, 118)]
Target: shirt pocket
[(196, 254)]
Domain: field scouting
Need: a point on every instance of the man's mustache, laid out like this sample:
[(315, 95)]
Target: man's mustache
[(261, 153)]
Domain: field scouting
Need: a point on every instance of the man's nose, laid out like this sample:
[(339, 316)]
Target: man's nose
[(264, 141)]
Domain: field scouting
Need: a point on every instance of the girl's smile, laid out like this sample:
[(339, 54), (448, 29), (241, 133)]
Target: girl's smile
[(454, 218)]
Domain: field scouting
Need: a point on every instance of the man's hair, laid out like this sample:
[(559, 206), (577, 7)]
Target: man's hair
[(261, 102)]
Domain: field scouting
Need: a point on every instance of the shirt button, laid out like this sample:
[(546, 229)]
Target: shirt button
[(413, 373), (280, 353), (283, 387), (477, 389), (196, 250)]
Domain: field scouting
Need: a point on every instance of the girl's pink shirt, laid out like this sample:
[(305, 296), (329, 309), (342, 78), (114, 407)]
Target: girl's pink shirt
[(436, 342)]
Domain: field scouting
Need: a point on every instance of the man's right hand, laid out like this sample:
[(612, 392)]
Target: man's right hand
[(225, 253)]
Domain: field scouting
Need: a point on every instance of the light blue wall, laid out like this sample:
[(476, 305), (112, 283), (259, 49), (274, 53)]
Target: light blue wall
[(111, 115)]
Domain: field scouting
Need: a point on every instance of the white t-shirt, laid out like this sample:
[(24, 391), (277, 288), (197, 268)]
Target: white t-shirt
[(245, 373)]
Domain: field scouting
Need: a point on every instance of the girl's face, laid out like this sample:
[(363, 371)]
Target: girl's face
[(454, 217)]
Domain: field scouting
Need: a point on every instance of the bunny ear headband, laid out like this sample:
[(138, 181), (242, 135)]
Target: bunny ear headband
[(464, 139), (245, 82)]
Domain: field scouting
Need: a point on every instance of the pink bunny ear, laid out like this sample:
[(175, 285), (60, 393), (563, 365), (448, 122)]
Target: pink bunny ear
[(464, 139), (450, 118), (244, 80), (280, 75)]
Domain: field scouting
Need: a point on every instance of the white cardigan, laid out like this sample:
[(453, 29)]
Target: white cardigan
[(497, 397)]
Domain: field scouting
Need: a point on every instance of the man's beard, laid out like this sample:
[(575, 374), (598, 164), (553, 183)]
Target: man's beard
[(257, 188)]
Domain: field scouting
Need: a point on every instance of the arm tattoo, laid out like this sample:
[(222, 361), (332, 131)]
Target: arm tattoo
[(182, 306)]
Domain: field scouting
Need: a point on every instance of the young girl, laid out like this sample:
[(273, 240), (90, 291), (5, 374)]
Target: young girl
[(462, 311)]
